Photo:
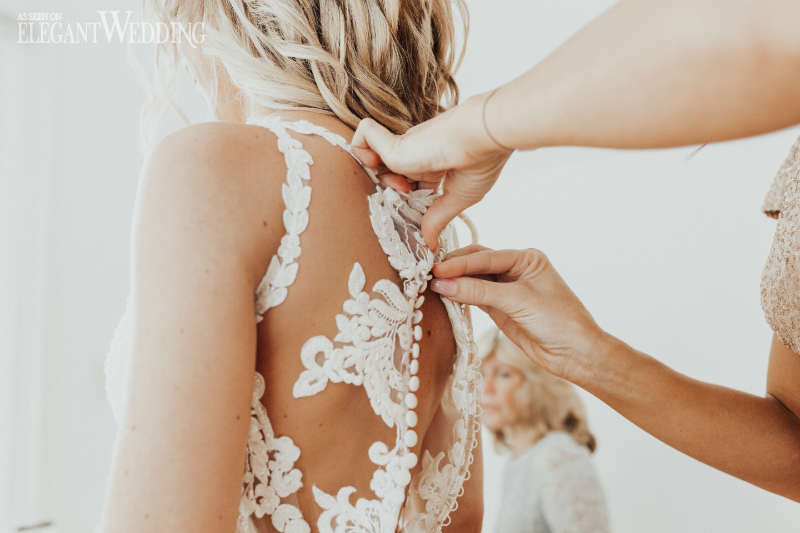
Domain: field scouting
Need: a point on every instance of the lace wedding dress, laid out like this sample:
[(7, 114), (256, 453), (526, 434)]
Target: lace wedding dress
[(377, 348)]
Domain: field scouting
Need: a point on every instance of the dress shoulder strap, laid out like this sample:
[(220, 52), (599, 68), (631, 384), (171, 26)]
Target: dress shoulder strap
[(306, 127), (296, 193)]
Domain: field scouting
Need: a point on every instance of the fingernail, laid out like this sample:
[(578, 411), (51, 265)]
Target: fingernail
[(448, 287)]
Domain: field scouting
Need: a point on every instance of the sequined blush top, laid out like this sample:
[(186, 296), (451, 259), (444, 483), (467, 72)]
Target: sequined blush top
[(780, 282)]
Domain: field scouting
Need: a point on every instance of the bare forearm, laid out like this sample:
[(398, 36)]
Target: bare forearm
[(656, 74), (753, 438)]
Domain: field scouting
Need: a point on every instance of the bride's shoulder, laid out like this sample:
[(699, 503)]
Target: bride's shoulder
[(211, 181), (237, 154), (216, 147)]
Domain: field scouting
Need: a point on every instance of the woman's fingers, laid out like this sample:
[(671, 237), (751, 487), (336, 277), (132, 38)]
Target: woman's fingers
[(439, 214), (398, 166), (527, 299), (473, 291), (466, 250), (469, 249), (372, 142), (427, 184), (396, 182), (430, 177), (368, 157), (477, 261), (513, 331), (501, 319)]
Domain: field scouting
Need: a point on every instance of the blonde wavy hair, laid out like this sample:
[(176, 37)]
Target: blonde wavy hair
[(547, 403), (392, 60)]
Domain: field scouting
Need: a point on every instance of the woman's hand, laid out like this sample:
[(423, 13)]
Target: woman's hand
[(529, 302), (753, 438), (453, 144)]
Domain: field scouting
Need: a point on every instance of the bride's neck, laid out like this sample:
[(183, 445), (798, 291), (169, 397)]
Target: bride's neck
[(326, 120), (230, 106), (231, 110)]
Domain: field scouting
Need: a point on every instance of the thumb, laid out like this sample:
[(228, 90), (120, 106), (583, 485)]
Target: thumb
[(438, 216), (373, 143)]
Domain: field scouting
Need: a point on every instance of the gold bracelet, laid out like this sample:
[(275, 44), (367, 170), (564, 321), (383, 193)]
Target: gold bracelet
[(486, 128)]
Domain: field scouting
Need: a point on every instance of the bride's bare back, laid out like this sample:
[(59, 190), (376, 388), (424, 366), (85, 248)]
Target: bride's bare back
[(363, 406), (331, 349)]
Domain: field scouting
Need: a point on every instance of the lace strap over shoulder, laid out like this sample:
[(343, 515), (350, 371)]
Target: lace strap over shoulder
[(296, 193), (306, 127)]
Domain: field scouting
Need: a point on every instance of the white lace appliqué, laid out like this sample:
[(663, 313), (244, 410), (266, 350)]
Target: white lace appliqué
[(269, 473), (296, 193), (376, 347), (368, 327)]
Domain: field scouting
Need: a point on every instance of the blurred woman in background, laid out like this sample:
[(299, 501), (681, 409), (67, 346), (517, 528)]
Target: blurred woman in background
[(550, 484)]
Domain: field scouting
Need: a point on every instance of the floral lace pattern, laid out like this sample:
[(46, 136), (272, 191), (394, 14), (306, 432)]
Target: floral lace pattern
[(377, 348), (269, 473), (367, 328), (296, 194), (433, 496)]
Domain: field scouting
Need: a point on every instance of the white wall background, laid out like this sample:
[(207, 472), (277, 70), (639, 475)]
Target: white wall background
[(665, 251)]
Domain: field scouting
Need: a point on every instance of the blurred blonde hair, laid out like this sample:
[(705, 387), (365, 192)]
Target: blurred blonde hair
[(392, 60), (547, 403)]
